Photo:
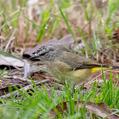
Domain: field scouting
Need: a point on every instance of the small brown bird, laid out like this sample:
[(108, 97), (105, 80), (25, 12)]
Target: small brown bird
[(72, 67), (60, 59)]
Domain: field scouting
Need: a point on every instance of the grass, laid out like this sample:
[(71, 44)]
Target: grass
[(39, 102)]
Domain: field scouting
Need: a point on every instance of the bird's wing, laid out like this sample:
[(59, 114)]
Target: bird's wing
[(73, 60), (77, 62)]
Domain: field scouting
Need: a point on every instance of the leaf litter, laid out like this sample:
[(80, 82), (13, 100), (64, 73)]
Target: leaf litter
[(15, 77)]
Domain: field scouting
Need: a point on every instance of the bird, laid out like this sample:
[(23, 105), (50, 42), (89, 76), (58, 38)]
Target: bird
[(60, 60), (73, 67)]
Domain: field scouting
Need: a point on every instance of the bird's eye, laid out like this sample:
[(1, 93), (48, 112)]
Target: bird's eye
[(35, 54)]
